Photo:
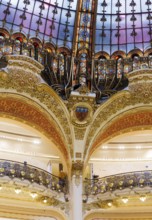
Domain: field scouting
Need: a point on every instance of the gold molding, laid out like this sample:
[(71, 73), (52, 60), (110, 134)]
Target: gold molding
[(26, 111), (138, 96), (19, 78), (101, 215), (24, 211)]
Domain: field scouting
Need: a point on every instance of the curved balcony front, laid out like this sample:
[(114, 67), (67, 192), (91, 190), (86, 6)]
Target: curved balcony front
[(110, 190), (32, 181)]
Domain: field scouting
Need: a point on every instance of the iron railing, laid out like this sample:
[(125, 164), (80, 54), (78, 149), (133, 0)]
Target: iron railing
[(117, 182), (33, 174)]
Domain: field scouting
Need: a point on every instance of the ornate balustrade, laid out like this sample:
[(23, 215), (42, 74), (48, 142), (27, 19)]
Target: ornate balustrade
[(118, 182), (23, 171), (65, 73)]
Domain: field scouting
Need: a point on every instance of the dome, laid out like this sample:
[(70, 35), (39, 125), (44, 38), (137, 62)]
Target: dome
[(85, 41), (123, 25), (109, 25)]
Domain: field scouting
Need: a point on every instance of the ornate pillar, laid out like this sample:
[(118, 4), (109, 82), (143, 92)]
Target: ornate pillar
[(76, 191)]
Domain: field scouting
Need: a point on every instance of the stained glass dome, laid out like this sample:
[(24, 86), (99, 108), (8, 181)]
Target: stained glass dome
[(95, 43), (123, 25), (48, 20), (114, 24)]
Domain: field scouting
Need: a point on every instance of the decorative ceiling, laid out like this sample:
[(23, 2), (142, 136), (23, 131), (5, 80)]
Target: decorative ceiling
[(107, 25), (123, 25)]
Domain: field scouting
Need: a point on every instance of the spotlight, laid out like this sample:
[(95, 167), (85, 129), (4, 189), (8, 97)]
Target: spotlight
[(125, 200), (18, 190), (109, 204), (34, 195), (45, 200), (142, 198), (85, 198)]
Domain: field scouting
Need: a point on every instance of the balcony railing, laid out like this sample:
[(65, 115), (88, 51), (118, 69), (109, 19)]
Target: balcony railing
[(65, 73), (33, 174), (119, 182)]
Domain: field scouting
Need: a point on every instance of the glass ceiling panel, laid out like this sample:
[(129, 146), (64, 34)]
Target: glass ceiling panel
[(120, 24), (47, 19), (123, 22)]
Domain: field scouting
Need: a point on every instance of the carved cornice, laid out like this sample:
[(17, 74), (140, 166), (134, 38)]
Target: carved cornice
[(22, 76), (101, 215), (139, 95), (28, 211), (25, 62)]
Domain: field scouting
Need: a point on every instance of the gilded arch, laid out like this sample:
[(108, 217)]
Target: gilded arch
[(21, 79), (136, 119), (137, 96), (28, 112)]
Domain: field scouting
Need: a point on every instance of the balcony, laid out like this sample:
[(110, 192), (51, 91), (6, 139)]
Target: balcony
[(117, 190), (32, 182)]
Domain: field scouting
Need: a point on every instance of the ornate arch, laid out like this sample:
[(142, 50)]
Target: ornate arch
[(21, 81), (28, 112), (135, 51), (102, 53), (132, 120), (124, 104), (118, 53)]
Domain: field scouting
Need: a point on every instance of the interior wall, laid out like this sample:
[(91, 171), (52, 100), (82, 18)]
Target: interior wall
[(107, 168)]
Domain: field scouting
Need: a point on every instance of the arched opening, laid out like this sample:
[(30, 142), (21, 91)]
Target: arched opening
[(128, 152), (23, 143)]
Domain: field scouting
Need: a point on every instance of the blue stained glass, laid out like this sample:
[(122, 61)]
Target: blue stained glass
[(114, 48), (122, 39), (32, 14), (30, 6), (127, 19), (10, 16), (26, 23), (42, 27), (14, 2), (21, 4), (72, 4), (45, 11), (114, 38), (115, 23), (37, 8), (146, 35), (55, 31), (34, 24), (17, 20), (86, 5)]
